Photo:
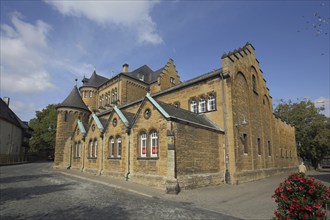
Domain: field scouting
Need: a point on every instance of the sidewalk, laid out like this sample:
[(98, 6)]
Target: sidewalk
[(247, 201)]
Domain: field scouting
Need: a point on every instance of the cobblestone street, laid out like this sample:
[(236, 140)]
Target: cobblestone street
[(35, 191)]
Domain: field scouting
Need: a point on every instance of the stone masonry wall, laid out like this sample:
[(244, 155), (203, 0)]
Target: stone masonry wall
[(199, 156)]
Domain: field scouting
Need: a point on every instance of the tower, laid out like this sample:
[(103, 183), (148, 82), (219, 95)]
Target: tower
[(89, 90), (68, 112)]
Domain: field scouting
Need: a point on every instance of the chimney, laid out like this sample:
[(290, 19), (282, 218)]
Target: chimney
[(125, 68), (6, 100)]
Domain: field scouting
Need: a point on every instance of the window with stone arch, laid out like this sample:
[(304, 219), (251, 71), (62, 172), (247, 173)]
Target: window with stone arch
[(193, 106), (77, 150), (95, 149), (119, 147), (211, 102), (112, 96), (143, 144), (90, 154), (111, 147), (116, 95), (254, 83), (202, 105), (90, 94), (154, 144)]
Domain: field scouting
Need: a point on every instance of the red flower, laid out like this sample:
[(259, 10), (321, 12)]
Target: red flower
[(283, 196), (301, 188), (305, 216), (294, 199), (308, 208), (288, 188), (317, 205), (276, 213), (311, 191)]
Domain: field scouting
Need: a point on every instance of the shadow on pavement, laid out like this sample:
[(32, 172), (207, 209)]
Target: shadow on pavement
[(24, 193), (13, 179)]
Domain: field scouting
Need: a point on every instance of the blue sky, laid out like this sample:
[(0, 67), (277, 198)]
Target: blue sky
[(45, 45)]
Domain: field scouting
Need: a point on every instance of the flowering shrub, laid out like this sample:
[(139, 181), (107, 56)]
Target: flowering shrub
[(299, 197)]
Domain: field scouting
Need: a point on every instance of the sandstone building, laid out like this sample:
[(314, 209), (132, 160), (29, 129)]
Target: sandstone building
[(149, 127)]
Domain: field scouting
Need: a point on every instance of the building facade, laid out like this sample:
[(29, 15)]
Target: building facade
[(149, 127), (14, 135)]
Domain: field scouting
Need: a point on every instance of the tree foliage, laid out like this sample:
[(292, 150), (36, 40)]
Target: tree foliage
[(312, 128), (44, 129)]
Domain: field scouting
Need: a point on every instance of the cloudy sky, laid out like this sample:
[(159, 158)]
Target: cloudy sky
[(46, 45)]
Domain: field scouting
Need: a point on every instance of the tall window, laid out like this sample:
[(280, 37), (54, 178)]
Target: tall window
[(245, 144), (112, 147), (269, 149), (154, 144), (90, 149), (202, 105), (112, 96), (77, 150), (211, 103), (193, 106), (119, 147), (95, 148), (116, 97), (90, 94), (259, 146), (85, 94), (254, 83), (143, 145)]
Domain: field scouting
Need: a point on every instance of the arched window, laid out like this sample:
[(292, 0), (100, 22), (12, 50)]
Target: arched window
[(77, 150), (95, 148), (211, 103), (112, 96), (193, 106), (254, 83), (202, 105), (90, 149), (116, 97), (65, 116), (143, 144), (111, 147), (154, 144), (119, 147)]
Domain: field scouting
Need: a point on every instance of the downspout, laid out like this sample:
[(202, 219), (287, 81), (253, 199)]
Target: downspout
[(102, 153), (128, 154), (83, 155), (70, 161), (227, 174)]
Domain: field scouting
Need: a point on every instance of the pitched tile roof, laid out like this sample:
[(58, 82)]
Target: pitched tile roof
[(94, 81), (148, 74), (188, 116), (74, 100), (7, 114)]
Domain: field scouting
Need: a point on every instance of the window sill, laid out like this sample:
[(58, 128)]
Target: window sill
[(91, 158), (147, 158), (76, 158), (245, 154), (114, 158)]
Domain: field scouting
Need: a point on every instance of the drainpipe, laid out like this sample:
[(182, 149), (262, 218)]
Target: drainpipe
[(102, 154), (128, 155), (70, 161), (83, 155), (227, 174)]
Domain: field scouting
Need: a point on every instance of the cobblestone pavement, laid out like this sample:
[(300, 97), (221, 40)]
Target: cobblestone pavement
[(35, 191)]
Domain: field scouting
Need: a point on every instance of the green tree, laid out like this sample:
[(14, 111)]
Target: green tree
[(44, 130), (312, 128)]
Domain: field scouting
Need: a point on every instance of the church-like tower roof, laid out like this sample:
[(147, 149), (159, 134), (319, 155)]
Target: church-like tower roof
[(74, 100), (94, 81)]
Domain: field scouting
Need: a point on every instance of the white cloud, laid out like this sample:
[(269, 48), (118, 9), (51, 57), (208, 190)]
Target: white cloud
[(325, 103), (23, 58), (134, 15)]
